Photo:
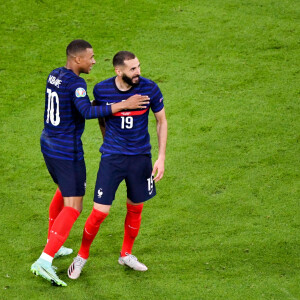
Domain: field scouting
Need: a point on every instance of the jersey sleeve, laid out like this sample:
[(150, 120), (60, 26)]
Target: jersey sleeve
[(83, 104), (157, 99)]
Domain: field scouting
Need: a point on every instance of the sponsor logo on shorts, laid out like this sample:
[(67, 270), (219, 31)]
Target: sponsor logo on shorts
[(100, 193), (80, 92)]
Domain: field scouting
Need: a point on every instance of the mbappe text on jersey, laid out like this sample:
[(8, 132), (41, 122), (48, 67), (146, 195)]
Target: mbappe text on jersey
[(53, 80)]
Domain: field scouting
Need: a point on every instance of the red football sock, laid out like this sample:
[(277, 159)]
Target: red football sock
[(55, 208), (90, 231), (61, 229), (132, 226)]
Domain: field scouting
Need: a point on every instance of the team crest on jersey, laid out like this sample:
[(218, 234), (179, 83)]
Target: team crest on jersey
[(80, 92), (100, 193)]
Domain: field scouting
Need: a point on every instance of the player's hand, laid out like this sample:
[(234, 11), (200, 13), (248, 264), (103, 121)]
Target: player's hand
[(158, 167), (136, 101)]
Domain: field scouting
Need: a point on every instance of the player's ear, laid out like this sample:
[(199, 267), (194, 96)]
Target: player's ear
[(118, 71), (77, 59)]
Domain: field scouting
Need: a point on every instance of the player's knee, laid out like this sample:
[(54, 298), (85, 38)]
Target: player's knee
[(74, 202), (102, 207), (79, 209), (97, 217), (134, 208), (77, 206)]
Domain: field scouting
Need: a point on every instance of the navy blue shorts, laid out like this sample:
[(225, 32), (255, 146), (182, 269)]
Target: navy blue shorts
[(69, 175), (135, 169)]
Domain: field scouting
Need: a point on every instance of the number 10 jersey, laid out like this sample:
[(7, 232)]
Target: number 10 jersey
[(67, 105)]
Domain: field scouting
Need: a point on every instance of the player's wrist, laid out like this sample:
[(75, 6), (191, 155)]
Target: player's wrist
[(161, 157), (124, 104), (118, 107)]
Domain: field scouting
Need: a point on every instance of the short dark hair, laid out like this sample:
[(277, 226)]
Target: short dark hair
[(77, 46), (121, 56)]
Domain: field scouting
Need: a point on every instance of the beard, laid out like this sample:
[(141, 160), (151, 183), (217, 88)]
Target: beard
[(129, 81)]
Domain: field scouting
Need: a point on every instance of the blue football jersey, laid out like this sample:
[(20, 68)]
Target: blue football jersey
[(126, 132), (67, 105)]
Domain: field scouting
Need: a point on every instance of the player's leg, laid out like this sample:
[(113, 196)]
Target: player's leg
[(132, 225), (58, 235), (107, 183), (57, 202), (56, 206), (131, 229), (91, 228), (140, 188), (63, 223), (71, 178)]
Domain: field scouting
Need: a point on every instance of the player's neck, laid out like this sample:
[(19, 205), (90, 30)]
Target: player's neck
[(73, 68), (122, 85)]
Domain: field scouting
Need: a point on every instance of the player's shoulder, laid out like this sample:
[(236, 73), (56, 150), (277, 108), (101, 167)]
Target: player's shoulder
[(67, 75), (62, 71), (54, 74), (76, 81), (79, 80), (146, 82), (103, 87), (107, 83), (57, 70)]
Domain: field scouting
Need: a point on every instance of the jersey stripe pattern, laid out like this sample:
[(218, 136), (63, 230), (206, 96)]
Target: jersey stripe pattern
[(126, 132), (67, 105)]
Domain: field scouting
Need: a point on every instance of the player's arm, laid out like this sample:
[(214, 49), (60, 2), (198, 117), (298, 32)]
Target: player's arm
[(162, 133), (101, 121), (83, 104), (92, 112), (133, 102)]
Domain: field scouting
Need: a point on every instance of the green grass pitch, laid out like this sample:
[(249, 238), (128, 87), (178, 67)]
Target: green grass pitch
[(225, 223)]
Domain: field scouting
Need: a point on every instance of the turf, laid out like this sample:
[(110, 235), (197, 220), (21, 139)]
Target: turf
[(225, 223)]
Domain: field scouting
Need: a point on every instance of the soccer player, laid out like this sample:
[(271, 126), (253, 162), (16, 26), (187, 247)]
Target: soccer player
[(126, 154), (67, 106)]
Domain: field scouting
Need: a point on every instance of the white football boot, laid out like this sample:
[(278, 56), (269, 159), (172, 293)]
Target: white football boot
[(63, 251), (76, 267), (132, 262), (44, 269)]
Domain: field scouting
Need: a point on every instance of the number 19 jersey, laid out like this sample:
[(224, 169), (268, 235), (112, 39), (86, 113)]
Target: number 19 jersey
[(126, 132)]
